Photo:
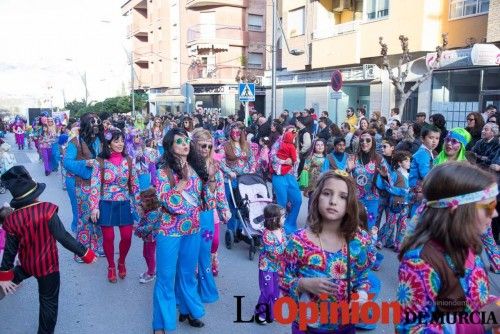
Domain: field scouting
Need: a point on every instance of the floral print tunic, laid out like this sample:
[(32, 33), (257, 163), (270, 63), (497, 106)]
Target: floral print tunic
[(181, 214), (271, 254), (218, 200), (363, 175), (419, 285), (305, 259), (116, 184), (313, 165), (241, 165)]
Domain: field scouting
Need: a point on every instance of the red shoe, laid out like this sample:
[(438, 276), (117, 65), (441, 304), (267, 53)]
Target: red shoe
[(122, 270), (215, 265), (112, 274)]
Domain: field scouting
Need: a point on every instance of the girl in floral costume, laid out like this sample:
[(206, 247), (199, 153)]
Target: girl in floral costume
[(208, 262), (114, 197), (332, 255), (441, 269), (271, 262), (182, 175), (366, 171), (314, 165)]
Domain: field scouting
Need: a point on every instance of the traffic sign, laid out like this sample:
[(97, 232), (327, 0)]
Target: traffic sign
[(246, 91)]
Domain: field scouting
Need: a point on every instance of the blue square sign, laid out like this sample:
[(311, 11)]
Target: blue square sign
[(246, 91)]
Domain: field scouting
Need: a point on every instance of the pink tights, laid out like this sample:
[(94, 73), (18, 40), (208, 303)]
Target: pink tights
[(148, 251), (108, 234), (215, 241)]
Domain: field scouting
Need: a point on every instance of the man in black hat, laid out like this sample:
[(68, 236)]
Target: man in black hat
[(32, 231)]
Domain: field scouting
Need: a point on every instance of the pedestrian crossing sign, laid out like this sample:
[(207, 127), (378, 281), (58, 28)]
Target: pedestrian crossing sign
[(246, 92)]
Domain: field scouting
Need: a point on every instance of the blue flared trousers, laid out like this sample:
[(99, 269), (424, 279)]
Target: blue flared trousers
[(206, 282), (176, 282), (287, 190), (71, 190)]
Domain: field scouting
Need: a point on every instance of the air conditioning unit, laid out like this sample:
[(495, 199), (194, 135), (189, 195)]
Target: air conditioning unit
[(341, 5)]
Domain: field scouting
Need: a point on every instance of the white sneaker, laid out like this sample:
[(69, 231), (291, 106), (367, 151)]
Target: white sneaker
[(145, 278)]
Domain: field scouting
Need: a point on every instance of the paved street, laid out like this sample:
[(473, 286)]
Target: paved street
[(89, 304)]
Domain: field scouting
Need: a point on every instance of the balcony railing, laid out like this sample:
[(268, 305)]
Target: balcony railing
[(217, 73), (335, 30), (203, 3), (212, 32)]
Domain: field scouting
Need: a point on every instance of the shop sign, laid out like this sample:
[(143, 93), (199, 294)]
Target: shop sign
[(485, 55)]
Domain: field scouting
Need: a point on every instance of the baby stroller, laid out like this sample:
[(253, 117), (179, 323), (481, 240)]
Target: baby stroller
[(250, 199)]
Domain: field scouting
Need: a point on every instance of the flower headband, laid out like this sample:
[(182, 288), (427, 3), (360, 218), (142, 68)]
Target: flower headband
[(453, 202), (341, 172)]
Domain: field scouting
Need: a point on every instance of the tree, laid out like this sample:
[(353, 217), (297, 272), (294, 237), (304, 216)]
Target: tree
[(399, 81), (74, 107)]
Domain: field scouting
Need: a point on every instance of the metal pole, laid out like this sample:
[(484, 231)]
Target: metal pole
[(246, 113), (132, 84), (84, 79), (273, 69)]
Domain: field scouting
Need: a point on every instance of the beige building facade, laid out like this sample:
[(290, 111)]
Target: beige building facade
[(191, 54), (344, 34)]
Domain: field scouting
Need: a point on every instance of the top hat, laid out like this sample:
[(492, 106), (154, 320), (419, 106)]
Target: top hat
[(21, 186)]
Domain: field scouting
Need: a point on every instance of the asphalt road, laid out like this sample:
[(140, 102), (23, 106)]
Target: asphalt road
[(88, 304)]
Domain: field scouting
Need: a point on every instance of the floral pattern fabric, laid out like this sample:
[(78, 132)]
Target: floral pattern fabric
[(419, 285), (242, 165), (304, 259), (271, 254), (181, 214)]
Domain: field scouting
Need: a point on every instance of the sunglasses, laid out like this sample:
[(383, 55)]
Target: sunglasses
[(179, 141), (204, 146), (365, 140), (489, 207), (471, 119), (452, 141), (95, 121)]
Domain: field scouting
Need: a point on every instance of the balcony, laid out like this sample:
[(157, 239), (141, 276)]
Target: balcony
[(139, 29), (216, 36), (190, 4), (328, 31), (142, 53), (215, 74)]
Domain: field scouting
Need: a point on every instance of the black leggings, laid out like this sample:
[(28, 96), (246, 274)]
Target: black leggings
[(48, 296)]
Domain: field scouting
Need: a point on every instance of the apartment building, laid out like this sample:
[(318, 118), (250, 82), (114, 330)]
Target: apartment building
[(191, 54), (344, 35)]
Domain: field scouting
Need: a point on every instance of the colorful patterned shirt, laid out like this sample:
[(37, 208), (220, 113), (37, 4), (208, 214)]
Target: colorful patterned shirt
[(271, 254), (217, 200), (241, 165), (305, 259), (364, 177), (419, 285), (115, 185), (181, 214)]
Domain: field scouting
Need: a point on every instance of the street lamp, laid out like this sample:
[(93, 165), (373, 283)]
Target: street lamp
[(293, 52)]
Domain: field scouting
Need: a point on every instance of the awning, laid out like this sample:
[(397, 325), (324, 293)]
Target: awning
[(209, 46), (478, 55), (168, 98)]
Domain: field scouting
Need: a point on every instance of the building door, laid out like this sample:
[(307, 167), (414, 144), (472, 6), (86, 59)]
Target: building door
[(489, 97), (411, 105)]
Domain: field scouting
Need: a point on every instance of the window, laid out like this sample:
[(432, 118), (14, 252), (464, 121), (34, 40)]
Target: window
[(463, 8), (255, 60), (376, 9), (255, 22), (296, 20)]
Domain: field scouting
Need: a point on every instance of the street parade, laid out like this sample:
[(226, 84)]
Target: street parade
[(260, 206)]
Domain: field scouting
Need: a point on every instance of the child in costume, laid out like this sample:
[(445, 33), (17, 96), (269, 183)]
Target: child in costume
[(33, 226), (7, 159), (443, 276), (271, 263), (147, 229)]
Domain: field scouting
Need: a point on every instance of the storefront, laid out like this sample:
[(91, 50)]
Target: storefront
[(296, 91), (166, 101), (223, 99), (466, 83)]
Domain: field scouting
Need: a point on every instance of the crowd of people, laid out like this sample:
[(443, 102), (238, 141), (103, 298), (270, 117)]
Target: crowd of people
[(427, 192)]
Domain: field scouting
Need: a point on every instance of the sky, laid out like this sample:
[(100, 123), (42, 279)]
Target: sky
[(47, 45)]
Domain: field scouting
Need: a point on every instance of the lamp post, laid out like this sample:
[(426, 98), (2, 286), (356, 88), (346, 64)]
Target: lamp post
[(293, 52)]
